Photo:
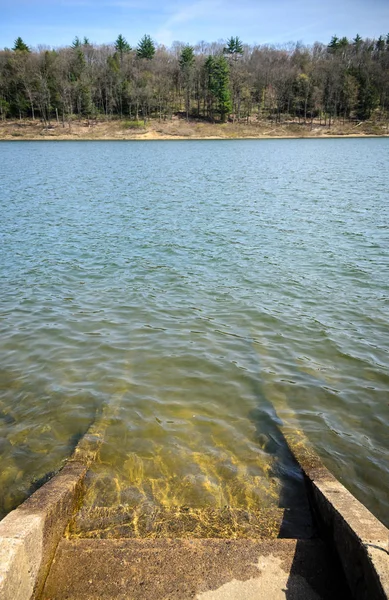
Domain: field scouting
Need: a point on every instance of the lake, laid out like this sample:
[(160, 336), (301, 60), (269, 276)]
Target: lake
[(185, 296)]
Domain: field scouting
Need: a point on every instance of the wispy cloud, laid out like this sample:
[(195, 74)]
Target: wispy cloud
[(111, 4), (261, 21), (194, 11), (169, 29)]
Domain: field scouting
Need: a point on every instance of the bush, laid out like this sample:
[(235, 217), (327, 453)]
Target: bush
[(135, 124)]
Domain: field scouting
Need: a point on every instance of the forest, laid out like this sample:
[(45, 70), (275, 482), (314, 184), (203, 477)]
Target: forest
[(225, 80)]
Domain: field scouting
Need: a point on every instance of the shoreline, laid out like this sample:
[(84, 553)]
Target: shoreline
[(182, 139), (177, 129)]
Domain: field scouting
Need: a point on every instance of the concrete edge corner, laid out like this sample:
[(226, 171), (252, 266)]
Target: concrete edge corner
[(358, 538)]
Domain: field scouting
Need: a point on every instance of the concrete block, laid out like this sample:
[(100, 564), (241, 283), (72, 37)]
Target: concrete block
[(357, 537), (30, 534)]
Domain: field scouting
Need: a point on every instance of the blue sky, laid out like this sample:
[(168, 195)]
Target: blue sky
[(57, 22)]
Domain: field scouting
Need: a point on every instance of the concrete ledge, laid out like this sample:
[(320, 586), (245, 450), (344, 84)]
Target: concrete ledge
[(19, 567), (354, 533), (30, 534), (178, 569)]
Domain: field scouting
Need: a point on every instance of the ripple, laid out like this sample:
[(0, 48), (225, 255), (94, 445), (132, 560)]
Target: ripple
[(178, 308)]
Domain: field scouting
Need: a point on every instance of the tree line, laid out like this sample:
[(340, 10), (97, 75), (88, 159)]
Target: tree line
[(344, 79)]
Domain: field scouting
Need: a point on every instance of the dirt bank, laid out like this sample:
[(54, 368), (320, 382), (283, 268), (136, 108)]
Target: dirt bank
[(181, 130)]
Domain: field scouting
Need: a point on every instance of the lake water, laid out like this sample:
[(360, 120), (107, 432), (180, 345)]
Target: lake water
[(179, 295)]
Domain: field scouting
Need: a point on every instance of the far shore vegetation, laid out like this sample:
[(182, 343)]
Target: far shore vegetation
[(177, 127), (222, 89)]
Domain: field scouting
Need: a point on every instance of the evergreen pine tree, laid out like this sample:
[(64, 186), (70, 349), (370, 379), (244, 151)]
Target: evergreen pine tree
[(146, 48), (76, 42), (234, 47), (357, 42), (186, 66), (218, 84), (121, 45), (20, 46), (334, 44)]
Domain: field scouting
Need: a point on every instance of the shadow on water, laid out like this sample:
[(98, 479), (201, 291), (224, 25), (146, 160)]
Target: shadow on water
[(14, 493), (315, 571), (70, 448), (297, 522), (37, 483)]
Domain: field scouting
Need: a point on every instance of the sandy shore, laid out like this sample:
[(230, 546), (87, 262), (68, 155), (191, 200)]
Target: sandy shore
[(178, 129)]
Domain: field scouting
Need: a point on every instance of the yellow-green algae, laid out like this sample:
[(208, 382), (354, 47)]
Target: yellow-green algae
[(149, 521)]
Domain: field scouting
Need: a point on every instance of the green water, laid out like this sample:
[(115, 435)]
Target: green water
[(173, 294)]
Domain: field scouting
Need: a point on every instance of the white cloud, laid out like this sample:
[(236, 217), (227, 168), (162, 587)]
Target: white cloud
[(194, 11)]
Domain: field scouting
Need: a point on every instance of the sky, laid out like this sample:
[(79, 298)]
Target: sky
[(56, 22)]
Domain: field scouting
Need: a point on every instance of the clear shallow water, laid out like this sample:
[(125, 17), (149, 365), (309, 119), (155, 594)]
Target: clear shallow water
[(175, 292)]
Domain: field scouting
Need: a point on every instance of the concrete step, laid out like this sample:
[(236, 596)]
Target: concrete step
[(151, 521), (183, 569)]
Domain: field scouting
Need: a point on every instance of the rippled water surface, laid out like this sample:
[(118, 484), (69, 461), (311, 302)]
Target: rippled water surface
[(177, 294)]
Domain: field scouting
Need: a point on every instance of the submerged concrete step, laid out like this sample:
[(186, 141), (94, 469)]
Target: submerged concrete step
[(144, 569), (151, 521)]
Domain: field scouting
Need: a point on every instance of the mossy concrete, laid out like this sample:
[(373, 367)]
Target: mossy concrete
[(142, 569)]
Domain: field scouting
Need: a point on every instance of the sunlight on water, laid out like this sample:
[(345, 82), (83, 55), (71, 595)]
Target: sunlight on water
[(174, 295)]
